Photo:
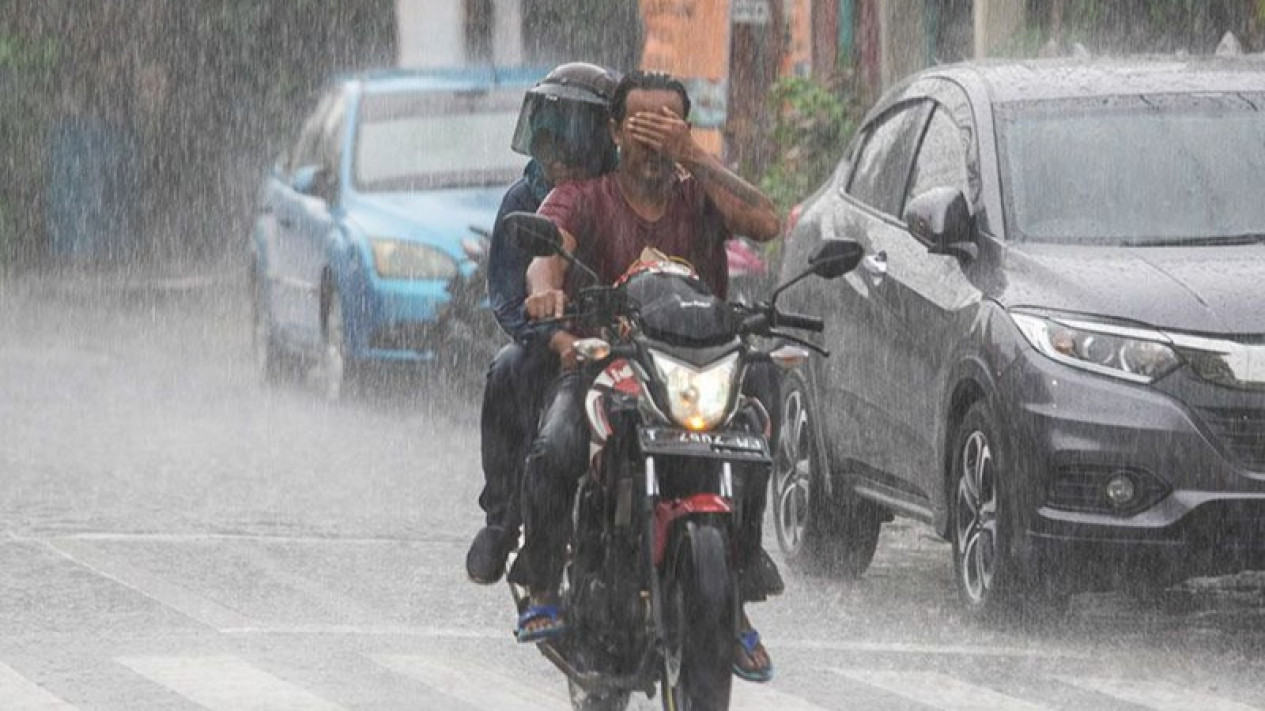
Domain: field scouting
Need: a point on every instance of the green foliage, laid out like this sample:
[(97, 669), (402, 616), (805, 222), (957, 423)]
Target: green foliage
[(8, 237), (27, 66), (813, 122), (27, 55)]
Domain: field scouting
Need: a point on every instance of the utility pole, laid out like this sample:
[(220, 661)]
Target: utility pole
[(755, 52)]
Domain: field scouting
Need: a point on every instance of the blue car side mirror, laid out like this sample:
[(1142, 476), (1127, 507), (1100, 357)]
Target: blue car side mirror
[(314, 180)]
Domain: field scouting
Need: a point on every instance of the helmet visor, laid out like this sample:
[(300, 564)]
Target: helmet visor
[(550, 128)]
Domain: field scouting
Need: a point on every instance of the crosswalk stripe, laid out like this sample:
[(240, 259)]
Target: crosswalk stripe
[(226, 683), (939, 691), (148, 584), (20, 694), (1158, 695), (473, 685), (749, 697)]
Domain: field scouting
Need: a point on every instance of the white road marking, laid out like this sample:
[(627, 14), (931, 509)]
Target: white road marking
[(445, 540), (20, 694), (487, 633), (939, 691), (753, 697), (474, 685), (1154, 694), (152, 586), (226, 684), (955, 650)]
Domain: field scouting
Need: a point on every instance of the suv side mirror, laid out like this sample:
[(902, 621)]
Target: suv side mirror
[(941, 218)]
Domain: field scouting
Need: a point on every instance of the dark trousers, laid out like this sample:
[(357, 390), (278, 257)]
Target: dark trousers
[(516, 382), (555, 463), (559, 457)]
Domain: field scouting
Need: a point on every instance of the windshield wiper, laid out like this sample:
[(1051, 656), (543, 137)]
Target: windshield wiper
[(1213, 241)]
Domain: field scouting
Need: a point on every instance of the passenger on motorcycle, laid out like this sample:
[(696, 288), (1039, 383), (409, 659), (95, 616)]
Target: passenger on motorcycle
[(670, 194), (563, 126)]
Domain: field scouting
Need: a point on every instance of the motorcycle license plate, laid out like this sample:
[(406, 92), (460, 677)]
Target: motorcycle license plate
[(734, 446)]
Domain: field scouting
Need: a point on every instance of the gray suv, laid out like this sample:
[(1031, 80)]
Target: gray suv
[(1054, 351)]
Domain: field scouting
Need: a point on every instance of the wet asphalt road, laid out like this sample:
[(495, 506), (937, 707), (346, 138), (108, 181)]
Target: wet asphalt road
[(177, 537)]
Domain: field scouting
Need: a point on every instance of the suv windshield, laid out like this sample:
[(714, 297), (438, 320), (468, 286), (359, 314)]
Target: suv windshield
[(436, 140), (1135, 170)]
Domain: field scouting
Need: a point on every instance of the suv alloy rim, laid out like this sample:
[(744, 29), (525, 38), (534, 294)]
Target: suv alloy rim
[(976, 519), (794, 473)]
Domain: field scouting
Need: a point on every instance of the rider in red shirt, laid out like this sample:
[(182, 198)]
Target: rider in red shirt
[(670, 194)]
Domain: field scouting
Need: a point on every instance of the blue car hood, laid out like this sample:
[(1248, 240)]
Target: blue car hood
[(1211, 290), (441, 218)]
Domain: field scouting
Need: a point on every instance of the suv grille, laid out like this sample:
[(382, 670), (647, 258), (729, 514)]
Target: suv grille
[(1241, 431)]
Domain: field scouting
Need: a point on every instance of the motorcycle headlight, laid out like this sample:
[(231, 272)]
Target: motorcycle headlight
[(1135, 354), (396, 259), (697, 399)]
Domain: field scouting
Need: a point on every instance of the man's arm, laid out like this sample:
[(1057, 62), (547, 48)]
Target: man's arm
[(546, 277), (745, 209), (546, 299)]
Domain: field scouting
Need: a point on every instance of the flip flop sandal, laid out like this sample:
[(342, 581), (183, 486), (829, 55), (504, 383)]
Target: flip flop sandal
[(539, 612), (750, 640)]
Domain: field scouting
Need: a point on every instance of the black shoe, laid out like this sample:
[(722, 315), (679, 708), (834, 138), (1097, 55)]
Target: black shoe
[(485, 562), (761, 579)]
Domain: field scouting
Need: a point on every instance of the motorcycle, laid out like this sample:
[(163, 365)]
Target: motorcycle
[(650, 591)]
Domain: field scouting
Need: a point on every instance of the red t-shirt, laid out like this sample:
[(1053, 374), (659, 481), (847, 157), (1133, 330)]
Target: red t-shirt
[(610, 234)]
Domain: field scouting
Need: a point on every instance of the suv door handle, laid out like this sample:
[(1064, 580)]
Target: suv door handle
[(875, 266)]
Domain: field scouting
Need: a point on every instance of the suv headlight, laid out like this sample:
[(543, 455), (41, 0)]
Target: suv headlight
[(397, 259), (1136, 354), (697, 399)]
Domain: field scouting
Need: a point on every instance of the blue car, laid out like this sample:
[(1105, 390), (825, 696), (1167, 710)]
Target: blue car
[(361, 224)]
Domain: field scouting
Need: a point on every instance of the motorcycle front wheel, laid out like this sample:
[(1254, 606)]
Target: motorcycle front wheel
[(699, 615)]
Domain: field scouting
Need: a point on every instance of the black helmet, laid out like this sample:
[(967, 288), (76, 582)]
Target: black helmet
[(571, 102)]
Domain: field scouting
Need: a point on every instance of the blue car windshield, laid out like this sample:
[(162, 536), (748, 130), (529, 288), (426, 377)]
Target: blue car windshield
[(1135, 170), (436, 140)]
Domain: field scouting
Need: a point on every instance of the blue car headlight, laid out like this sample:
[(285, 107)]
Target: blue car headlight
[(397, 259), (1137, 354)]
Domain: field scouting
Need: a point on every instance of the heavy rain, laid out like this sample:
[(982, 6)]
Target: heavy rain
[(286, 401)]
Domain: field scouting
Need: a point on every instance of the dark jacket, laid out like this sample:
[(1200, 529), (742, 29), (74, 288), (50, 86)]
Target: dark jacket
[(507, 265)]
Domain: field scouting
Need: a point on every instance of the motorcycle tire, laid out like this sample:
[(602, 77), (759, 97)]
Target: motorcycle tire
[(699, 613)]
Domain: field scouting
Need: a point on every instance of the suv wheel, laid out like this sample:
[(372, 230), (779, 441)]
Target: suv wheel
[(989, 579), (817, 530)]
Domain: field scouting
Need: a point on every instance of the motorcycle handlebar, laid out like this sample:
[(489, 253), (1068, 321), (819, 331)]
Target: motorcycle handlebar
[(807, 323)]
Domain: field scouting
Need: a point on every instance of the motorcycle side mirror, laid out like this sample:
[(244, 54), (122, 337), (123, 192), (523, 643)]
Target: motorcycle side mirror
[(533, 234), (835, 258), (540, 237), (831, 259)]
